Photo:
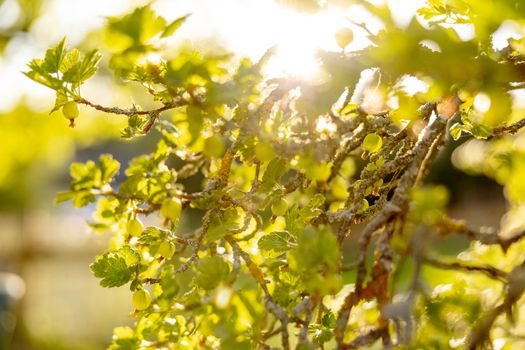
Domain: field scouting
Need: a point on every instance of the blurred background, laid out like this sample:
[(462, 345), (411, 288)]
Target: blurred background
[(48, 297)]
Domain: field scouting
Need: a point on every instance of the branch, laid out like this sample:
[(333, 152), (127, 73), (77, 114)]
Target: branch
[(206, 222), (258, 275), (480, 334), (368, 338), (509, 129), (133, 111), (430, 135), (483, 235), (488, 270)]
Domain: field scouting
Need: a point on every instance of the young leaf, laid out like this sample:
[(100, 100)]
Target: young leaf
[(112, 269), (173, 26), (275, 169), (89, 65), (455, 131), (71, 58), (54, 57), (109, 167)]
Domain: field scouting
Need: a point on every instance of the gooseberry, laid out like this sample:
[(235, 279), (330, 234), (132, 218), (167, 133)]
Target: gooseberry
[(141, 299), (372, 143), (264, 151), (343, 37), (279, 207), (166, 250), (171, 208), (214, 146)]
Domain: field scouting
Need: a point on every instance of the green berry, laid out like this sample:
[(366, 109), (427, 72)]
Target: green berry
[(70, 110), (339, 188), (171, 208), (134, 227), (214, 146), (141, 299), (279, 207), (264, 151), (318, 171), (166, 250), (372, 143), (343, 37)]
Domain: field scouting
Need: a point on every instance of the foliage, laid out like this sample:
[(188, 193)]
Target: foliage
[(259, 272)]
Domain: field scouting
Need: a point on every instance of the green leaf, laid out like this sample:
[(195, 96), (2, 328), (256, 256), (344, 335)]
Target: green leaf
[(297, 218), (83, 70), (130, 256), (275, 169), (313, 208), (124, 339), (61, 99), (153, 235), (44, 79), (316, 250), (211, 272), (64, 197), (348, 108), (84, 176), (140, 26), (112, 269), (428, 203), (222, 224), (328, 320), (71, 59), (481, 131), (274, 244), (89, 64), (173, 26), (455, 131), (109, 167), (54, 57)]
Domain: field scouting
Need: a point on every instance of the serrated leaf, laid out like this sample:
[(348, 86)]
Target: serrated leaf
[(109, 167), (71, 58), (84, 176), (89, 65), (275, 169), (211, 272), (328, 320), (153, 235), (274, 244), (222, 224), (44, 79), (112, 269), (129, 255), (481, 131), (61, 99), (316, 250), (54, 56), (140, 26)]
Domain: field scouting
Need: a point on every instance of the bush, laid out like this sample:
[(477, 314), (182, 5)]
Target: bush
[(279, 196)]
